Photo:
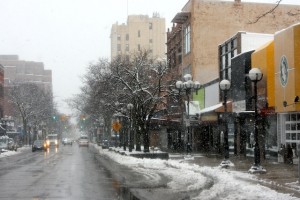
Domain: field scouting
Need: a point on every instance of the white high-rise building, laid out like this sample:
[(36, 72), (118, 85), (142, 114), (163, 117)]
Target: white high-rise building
[(140, 33)]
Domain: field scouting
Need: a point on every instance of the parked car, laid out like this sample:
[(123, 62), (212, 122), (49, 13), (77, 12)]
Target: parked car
[(83, 141), (7, 143), (39, 145), (105, 144), (12, 145)]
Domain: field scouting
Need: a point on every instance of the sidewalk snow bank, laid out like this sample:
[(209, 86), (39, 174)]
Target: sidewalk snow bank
[(209, 182)]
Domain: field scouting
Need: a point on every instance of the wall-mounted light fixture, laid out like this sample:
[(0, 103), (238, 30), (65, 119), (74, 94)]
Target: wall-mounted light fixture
[(296, 100)]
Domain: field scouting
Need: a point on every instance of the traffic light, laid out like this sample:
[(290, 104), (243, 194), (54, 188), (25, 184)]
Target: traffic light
[(82, 117), (54, 117), (63, 117)]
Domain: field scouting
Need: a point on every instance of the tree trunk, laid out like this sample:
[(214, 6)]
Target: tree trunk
[(146, 140), (107, 128), (138, 141), (25, 132)]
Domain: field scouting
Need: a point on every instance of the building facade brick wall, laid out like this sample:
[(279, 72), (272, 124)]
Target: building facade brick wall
[(212, 22)]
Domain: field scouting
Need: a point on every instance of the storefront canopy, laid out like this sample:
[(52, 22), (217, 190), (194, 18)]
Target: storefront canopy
[(216, 108)]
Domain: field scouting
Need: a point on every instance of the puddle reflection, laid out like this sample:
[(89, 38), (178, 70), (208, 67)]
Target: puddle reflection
[(50, 150)]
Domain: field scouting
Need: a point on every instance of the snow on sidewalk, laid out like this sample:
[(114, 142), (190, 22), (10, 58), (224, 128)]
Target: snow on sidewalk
[(211, 182)]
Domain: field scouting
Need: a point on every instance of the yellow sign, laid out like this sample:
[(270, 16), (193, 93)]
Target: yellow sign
[(287, 65), (116, 126)]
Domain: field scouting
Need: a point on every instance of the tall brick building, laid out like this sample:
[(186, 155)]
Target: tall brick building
[(20, 71), (192, 47), (206, 24)]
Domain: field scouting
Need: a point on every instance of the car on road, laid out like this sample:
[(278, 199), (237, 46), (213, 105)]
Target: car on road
[(83, 141), (39, 145), (105, 144), (52, 140), (66, 141)]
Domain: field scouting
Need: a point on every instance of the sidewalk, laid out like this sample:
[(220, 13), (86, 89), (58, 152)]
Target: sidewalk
[(280, 177)]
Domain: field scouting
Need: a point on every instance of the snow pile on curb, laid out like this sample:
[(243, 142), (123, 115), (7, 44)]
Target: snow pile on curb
[(207, 182)]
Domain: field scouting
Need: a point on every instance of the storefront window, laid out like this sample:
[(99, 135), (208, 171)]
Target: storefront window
[(293, 127), (293, 136), (287, 127)]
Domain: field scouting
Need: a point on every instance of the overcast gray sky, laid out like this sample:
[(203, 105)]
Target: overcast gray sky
[(66, 35)]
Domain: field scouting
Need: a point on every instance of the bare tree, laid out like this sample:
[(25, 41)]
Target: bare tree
[(97, 94), (144, 86), (272, 11), (136, 79), (31, 103)]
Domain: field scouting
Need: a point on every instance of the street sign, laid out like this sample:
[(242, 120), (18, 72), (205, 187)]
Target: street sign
[(116, 126)]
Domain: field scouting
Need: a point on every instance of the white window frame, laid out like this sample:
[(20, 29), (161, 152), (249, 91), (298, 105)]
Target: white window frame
[(187, 39)]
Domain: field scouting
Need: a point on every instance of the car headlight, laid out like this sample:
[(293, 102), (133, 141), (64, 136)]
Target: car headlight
[(56, 142), (48, 142)]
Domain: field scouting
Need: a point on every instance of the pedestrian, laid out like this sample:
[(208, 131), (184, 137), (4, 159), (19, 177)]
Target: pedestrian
[(281, 152), (188, 148), (289, 154), (174, 145), (295, 151)]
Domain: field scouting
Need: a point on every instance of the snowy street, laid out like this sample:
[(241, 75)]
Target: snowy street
[(79, 172)]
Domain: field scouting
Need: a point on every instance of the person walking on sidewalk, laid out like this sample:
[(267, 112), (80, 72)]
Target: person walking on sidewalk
[(188, 148), (289, 154), (282, 153)]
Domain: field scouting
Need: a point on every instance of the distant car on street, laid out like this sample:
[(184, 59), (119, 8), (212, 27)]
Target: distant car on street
[(83, 141), (39, 145), (52, 140), (66, 141)]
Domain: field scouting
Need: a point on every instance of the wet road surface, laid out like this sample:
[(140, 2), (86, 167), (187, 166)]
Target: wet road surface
[(67, 172)]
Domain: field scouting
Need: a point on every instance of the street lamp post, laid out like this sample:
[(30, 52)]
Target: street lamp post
[(130, 107), (123, 120), (225, 86), (188, 85), (256, 75)]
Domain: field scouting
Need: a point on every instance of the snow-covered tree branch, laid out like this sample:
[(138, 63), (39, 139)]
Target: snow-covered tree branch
[(31, 103), (137, 79)]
